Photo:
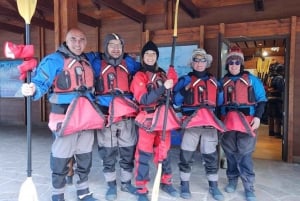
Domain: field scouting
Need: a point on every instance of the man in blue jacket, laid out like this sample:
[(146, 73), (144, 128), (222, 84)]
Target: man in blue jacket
[(113, 71), (70, 79)]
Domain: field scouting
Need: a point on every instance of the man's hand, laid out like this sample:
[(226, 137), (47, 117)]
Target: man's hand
[(255, 123), (28, 89)]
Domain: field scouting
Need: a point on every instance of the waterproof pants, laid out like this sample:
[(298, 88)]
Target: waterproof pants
[(208, 138), (150, 145), (118, 139), (63, 149), (238, 148)]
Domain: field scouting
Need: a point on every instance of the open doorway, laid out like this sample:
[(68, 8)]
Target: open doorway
[(262, 58)]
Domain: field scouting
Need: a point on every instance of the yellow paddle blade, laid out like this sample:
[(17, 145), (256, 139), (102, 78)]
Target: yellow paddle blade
[(26, 9), (176, 19)]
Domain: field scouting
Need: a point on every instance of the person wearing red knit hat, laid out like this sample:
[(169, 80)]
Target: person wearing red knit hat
[(242, 102)]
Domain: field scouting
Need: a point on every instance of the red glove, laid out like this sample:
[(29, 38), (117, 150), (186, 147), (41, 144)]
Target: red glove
[(27, 65), (14, 51), (171, 74)]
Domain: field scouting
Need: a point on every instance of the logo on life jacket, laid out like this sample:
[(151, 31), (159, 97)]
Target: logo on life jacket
[(113, 78), (239, 92), (76, 76), (202, 92)]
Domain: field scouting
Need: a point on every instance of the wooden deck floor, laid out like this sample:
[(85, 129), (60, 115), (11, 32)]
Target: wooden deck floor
[(267, 147)]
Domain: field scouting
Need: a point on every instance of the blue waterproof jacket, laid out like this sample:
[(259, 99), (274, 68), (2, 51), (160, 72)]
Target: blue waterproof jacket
[(50, 67), (96, 61)]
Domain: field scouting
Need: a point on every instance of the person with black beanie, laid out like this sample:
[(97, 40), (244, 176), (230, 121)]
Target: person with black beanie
[(149, 87)]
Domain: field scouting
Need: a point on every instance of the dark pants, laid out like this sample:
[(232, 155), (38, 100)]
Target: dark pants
[(238, 148)]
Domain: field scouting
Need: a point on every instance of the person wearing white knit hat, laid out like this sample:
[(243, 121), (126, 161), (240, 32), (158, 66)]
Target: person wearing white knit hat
[(195, 96)]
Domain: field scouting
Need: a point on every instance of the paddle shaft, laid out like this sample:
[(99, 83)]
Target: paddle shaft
[(156, 185), (28, 111)]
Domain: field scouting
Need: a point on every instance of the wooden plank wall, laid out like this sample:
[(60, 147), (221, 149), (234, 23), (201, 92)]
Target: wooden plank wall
[(134, 37)]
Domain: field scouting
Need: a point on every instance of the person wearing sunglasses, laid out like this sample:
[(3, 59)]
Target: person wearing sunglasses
[(242, 100), (195, 95)]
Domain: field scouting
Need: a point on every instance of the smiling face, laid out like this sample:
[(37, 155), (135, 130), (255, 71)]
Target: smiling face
[(114, 48), (199, 63), (234, 67), (150, 57), (76, 41)]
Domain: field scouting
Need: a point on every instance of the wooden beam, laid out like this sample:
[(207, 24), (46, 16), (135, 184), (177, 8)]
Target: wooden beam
[(189, 7), (90, 21), (11, 28), (122, 8), (82, 18), (34, 21)]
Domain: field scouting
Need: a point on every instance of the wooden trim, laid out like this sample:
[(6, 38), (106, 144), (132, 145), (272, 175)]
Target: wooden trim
[(290, 133)]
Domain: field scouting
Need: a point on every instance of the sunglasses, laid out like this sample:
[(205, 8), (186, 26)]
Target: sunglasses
[(235, 62), (199, 60)]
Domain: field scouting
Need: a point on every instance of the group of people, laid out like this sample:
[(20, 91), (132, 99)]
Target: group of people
[(126, 103)]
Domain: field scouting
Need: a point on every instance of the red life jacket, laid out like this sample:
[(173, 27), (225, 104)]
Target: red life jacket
[(203, 92), (239, 92), (155, 80), (76, 75), (113, 78), (151, 117)]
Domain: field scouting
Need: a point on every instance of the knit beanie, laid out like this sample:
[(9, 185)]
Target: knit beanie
[(107, 57), (235, 53), (202, 53), (149, 46)]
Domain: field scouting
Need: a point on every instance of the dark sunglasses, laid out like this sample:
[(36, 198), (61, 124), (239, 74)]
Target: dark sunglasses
[(199, 60), (235, 62)]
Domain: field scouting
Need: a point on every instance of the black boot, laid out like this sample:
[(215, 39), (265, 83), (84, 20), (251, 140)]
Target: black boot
[(111, 193), (185, 192), (128, 187), (85, 195), (214, 191), (59, 197)]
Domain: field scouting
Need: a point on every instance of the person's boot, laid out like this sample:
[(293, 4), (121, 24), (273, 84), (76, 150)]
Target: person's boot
[(142, 197), (214, 191), (249, 193), (111, 193), (250, 196), (185, 192), (59, 197), (128, 187), (69, 180), (168, 188), (231, 186), (85, 195)]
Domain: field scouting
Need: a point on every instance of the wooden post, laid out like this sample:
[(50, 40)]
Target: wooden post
[(65, 18), (290, 133)]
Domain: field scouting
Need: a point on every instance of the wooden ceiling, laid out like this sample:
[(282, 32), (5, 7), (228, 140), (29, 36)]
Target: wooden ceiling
[(92, 12)]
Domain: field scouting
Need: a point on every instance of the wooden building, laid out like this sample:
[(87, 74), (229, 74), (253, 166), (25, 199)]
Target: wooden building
[(253, 25)]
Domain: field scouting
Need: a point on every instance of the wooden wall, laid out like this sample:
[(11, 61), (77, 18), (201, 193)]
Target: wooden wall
[(206, 36)]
